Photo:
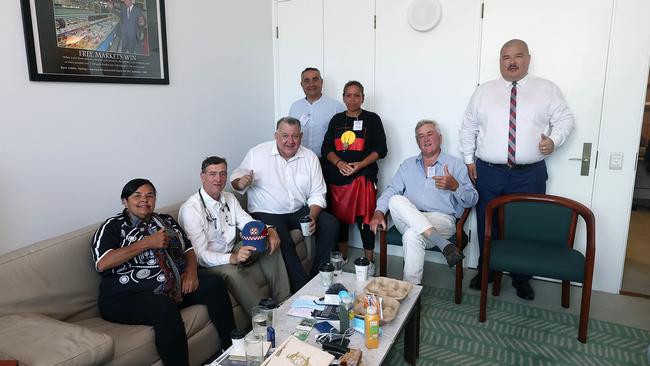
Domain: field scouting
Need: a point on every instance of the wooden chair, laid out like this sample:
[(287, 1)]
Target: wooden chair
[(393, 237), (537, 234)]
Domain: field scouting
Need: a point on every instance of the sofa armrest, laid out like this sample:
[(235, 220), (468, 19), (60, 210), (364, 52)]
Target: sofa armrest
[(35, 339)]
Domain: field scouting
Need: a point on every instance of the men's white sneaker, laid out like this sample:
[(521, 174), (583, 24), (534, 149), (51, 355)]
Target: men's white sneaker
[(371, 269)]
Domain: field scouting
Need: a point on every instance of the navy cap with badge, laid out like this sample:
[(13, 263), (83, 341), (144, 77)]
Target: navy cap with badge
[(254, 234)]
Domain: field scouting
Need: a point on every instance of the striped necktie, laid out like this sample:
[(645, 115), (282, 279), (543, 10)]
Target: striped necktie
[(512, 129)]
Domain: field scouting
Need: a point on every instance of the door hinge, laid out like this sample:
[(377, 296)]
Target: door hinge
[(277, 32), (596, 163), (375, 22), (482, 9)]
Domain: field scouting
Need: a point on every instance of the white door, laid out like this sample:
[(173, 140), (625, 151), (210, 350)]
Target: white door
[(299, 45), (349, 47), (568, 42)]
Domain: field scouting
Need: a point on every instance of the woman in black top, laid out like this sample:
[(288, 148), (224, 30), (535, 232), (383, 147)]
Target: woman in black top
[(149, 273), (353, 143)]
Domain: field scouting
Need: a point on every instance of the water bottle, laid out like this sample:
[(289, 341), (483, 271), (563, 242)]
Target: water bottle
[(344, 310)]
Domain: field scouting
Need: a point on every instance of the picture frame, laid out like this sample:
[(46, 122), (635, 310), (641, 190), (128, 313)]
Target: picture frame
[(97, 41)]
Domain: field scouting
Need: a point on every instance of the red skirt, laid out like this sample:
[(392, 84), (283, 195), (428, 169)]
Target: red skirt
[(350, 201)]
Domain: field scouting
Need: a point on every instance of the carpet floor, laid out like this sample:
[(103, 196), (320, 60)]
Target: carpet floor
[(515, 334)]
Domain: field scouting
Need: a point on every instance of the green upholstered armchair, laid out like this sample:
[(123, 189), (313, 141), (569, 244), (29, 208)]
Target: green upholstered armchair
[(393, 237), (537, 234)]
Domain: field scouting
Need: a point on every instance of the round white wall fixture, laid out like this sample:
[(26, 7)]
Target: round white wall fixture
[(424, 15)]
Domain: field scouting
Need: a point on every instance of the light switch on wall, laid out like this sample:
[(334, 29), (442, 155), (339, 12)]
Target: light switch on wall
[(616, 161)]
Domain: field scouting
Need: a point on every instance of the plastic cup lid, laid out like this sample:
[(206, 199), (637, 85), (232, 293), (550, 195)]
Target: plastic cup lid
[(361, 261), (326, 267), (268, 303), (305, 219), (237, 334)]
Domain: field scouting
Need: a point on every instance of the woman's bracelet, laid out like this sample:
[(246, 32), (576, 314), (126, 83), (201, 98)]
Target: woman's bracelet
[(337, 163)]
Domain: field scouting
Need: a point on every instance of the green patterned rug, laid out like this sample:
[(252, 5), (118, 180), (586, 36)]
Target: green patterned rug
[(515, 334)]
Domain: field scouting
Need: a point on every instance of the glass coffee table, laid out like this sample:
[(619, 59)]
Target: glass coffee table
[(407, 317)]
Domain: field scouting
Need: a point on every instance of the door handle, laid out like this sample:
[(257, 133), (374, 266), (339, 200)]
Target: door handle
[(585, 159)]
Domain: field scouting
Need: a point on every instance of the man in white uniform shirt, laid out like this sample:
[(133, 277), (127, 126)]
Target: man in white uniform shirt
[(284, 183), (210, 218), (315, 110), (511, 124)]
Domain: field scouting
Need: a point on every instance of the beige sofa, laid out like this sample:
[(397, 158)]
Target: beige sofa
[(49, 314)]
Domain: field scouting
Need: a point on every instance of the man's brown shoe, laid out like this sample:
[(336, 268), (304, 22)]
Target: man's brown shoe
[(453, 255)]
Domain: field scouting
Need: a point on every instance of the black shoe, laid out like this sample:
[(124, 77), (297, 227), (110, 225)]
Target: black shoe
[(475, 283), (453, 255), (524, 290)]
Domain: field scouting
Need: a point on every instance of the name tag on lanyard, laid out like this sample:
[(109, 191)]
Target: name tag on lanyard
[(431, 171)]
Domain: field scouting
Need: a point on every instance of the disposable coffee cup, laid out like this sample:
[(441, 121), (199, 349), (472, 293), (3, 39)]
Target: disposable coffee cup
[(304, 225), (361, 268), (326, 274), (238, 343)]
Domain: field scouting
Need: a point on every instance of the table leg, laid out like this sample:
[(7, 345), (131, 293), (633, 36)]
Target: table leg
[(412, 335)]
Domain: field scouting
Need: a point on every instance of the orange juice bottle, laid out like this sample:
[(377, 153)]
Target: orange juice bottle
[(372, 327)]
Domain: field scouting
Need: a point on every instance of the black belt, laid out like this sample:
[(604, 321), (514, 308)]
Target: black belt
[(514, 167)]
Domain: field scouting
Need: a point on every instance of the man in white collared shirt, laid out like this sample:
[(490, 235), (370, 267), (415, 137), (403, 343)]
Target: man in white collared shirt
[(210, 218), (284, 183), (315, 110), (511, 124)]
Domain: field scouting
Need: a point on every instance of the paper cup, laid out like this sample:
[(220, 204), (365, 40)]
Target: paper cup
[(238, 343), (361, 268), (304, 225)]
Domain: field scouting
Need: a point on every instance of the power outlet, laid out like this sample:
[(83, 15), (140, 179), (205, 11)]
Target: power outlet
[(616, 161)]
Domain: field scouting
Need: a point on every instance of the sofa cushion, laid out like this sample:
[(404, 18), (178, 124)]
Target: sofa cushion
[(138, 340), (35, 339)]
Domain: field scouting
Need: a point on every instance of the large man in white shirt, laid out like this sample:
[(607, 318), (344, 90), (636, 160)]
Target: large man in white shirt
[(210, 218), (315, 110), (284, 183), (511, 124)]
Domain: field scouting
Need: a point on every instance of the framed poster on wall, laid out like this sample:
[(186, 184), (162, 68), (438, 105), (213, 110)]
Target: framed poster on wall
[(102, 41)]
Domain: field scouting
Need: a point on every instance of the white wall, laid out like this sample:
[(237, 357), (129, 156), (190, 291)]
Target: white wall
[(66, 149)]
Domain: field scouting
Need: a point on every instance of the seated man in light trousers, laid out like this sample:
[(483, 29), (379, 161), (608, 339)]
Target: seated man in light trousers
[(427, 194), (210, 218)]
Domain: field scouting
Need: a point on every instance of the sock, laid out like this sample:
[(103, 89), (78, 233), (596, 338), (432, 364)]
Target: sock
[(438, 240)]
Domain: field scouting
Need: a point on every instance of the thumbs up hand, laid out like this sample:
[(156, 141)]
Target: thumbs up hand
[(546, 145), (243, 182), (446, 181)]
